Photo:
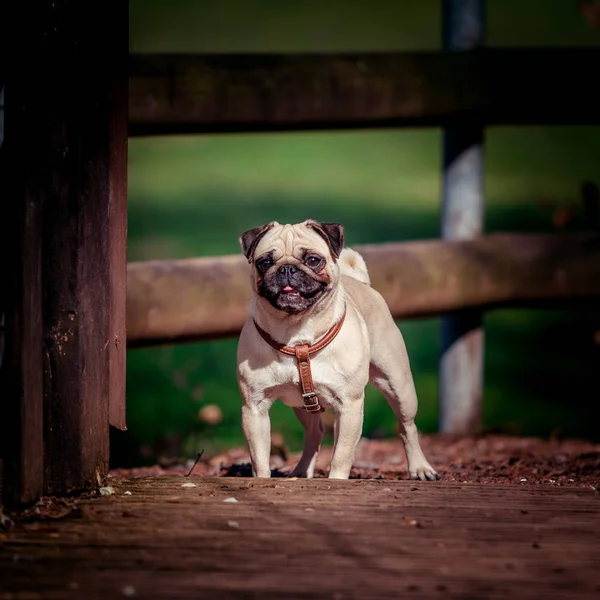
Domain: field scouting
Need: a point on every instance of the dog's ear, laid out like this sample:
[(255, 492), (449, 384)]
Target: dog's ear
[(332, 233), (249, 239)]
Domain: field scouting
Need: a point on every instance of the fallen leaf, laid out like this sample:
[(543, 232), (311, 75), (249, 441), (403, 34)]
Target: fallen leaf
[(210, 414)]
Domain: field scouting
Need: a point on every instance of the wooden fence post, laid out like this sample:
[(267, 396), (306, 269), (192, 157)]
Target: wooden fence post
[(78, 244), (461, 362), (64, 133)]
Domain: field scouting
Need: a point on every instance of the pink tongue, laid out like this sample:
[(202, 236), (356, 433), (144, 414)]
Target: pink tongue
[(288, 288)]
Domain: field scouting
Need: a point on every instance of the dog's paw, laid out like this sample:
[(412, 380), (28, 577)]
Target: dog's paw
[(301, 473), (298, 475), (424, 473)]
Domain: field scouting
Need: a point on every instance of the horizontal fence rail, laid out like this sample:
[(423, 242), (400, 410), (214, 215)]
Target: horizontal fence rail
[(175, 93), (172, 301)]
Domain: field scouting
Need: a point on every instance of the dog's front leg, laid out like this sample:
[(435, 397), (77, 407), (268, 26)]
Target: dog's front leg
[(257, 430), (348, 429)]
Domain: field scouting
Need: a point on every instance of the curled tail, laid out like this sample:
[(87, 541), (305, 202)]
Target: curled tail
[(352, 264)]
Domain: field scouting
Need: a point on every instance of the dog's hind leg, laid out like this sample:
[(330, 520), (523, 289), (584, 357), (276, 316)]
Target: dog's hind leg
[(390, 373), (313, 436)]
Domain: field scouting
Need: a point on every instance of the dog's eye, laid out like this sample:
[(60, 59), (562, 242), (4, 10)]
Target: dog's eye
[(264, 264), (313, 261)]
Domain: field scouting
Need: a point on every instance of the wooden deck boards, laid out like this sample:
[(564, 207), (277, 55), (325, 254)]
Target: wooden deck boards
[(311, 539)]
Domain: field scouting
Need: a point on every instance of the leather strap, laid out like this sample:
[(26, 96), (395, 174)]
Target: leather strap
[(302, 353)]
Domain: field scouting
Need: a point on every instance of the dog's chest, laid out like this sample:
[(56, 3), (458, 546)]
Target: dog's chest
[(330, 379)]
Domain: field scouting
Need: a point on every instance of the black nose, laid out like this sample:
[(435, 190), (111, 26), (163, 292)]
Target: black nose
[(287, 269)]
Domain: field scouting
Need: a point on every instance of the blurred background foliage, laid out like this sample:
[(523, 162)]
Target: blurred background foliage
[(194, 195)]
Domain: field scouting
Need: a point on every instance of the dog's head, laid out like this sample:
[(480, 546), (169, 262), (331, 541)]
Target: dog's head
[(294, 266)]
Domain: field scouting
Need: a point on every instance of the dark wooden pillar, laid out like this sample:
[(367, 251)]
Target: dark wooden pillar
[(21, 382), (461, 362), (63, 138)]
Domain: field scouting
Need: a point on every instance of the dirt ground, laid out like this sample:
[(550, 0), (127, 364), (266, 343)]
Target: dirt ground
[(464, 459)]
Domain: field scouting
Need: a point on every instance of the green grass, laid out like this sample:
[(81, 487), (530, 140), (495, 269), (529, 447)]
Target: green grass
[(342, 25), (191, 196)]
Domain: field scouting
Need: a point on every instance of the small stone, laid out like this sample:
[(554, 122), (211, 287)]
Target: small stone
[(523, 480), (189, 484), (129, 591), (107, 490), (233, 525), (412, 522), (309, 509), (230, 500), (127, 493)]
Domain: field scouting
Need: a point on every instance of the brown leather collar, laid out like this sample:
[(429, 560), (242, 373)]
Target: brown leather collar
[(302, 353)]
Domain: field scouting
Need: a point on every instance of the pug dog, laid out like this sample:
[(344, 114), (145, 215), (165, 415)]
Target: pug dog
[(317, 333)]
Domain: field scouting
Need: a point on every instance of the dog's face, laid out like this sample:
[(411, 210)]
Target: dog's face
[(294, 266)]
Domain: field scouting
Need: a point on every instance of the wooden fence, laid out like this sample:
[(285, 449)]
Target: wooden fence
[(463, 88), (417, 279), (190, 93)]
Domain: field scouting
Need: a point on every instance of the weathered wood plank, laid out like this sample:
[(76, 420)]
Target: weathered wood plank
[(118, 215), (312, 539), (173, 93), (417, 279)]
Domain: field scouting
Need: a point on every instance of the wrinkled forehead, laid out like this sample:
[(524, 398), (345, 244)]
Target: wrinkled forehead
[(291, 240)]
